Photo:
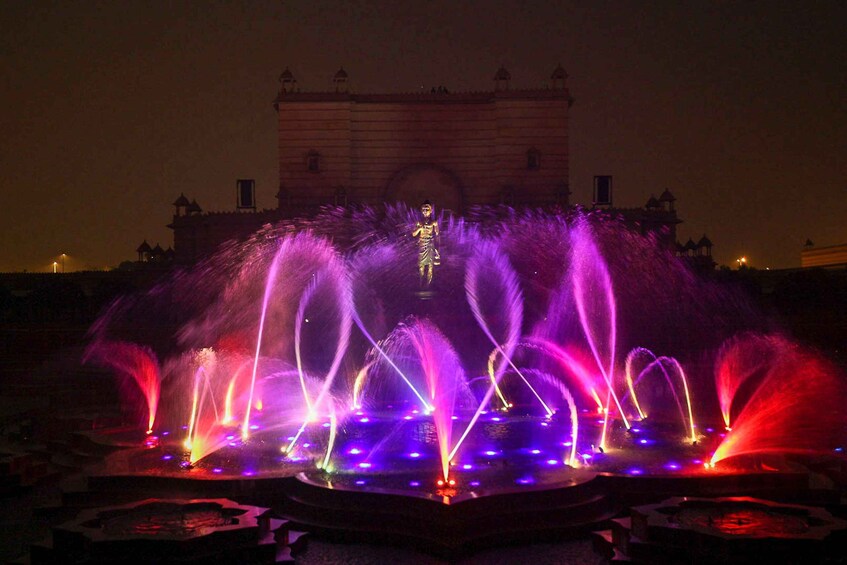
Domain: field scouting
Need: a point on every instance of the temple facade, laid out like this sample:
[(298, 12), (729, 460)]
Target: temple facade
[(455, 149), (505, 146)]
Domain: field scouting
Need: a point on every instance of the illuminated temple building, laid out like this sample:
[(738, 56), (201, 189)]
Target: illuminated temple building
[(461, 150)]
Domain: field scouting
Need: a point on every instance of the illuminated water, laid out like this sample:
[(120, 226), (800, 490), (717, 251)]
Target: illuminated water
[(542, 346)]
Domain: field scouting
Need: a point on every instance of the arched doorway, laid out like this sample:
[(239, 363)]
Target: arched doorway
[(416, 183)]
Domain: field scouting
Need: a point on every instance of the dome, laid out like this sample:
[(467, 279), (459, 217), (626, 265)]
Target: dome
[(181, 201), (652, 203), (559, 73), (144, 247), (341, 74), (194, 207), (704, 242), (690, 245), (286, 75), (502, 74), (667, 196)]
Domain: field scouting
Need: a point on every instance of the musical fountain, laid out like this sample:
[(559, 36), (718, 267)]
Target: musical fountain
[(550, 351)]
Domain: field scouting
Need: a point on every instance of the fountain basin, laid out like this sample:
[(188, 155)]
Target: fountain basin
[(169, 531), (735, 529)]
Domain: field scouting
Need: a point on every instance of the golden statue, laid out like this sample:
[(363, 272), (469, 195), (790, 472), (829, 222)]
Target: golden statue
[(427, 232)]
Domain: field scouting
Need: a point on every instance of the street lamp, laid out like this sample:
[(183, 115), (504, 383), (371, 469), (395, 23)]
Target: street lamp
[(742, 261), (55, 267), (63, 263)]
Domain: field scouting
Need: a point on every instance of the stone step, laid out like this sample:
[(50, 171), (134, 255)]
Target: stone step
[(601, 542)]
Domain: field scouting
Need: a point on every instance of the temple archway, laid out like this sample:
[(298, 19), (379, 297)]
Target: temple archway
[(416, 183)]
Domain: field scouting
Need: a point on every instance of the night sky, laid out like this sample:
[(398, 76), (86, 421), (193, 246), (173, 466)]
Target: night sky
[(110, 110)]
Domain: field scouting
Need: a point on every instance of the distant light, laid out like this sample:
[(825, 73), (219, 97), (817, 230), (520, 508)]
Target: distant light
[(306, 444), (567, 443)]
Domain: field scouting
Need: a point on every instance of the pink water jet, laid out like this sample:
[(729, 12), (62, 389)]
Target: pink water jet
[(796, 407), (136, 362)]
